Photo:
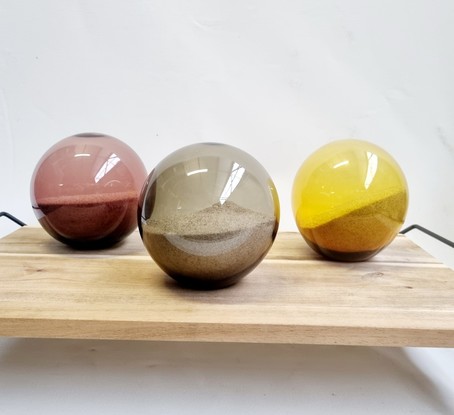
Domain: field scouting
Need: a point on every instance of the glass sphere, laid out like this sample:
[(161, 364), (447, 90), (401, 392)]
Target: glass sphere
[(208, 214), (349, 200), (85, 190)]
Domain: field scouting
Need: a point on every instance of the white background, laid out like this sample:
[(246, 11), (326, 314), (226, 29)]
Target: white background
[(277, 79)]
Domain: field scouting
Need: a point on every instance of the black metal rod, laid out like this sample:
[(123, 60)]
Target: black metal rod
[(430, 233), (13, 218)]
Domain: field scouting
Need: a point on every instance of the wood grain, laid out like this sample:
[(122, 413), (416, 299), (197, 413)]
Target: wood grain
[(402, 297)]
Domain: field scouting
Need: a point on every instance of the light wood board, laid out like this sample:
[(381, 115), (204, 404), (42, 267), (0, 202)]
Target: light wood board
[(401, 297)]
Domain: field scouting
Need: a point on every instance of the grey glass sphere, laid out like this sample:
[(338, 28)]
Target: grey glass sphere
[(208, 214)]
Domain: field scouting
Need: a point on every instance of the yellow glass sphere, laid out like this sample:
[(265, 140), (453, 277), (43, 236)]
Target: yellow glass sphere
[(349, 199)]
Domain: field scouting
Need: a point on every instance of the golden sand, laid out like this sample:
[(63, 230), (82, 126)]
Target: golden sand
[(367, 228)]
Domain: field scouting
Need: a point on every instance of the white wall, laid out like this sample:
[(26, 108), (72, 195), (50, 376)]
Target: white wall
[(275, 78)]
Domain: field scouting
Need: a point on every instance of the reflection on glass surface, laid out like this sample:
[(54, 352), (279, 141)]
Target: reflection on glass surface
[(232, 182), (340, 164), (372, 165), (107, 166), (197, 172)]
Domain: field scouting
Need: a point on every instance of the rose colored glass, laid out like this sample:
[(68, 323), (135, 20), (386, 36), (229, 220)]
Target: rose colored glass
[(85, 189)]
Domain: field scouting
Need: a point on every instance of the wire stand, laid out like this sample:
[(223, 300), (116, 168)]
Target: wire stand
[(428, 232), (13, 218)]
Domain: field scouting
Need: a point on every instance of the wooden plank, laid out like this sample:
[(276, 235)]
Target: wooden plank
[(402, 297), (288, 245)]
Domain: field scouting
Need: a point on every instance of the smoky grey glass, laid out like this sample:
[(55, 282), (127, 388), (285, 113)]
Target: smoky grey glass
[(208, 214)]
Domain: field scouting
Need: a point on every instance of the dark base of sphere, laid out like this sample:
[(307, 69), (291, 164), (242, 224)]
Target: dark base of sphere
[(357, 256), (206, 285), (92, 245), (213, 282), (84, 244)]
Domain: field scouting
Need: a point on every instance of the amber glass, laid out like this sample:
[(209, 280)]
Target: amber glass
[(85, 189), (208, 214), (349, 200)]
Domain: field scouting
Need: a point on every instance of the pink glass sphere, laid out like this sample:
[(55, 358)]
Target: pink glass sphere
[(85, 190)]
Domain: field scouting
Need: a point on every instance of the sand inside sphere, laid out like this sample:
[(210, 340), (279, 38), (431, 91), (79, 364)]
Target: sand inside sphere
[(219, 242), (89, 217), (367, 229)]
